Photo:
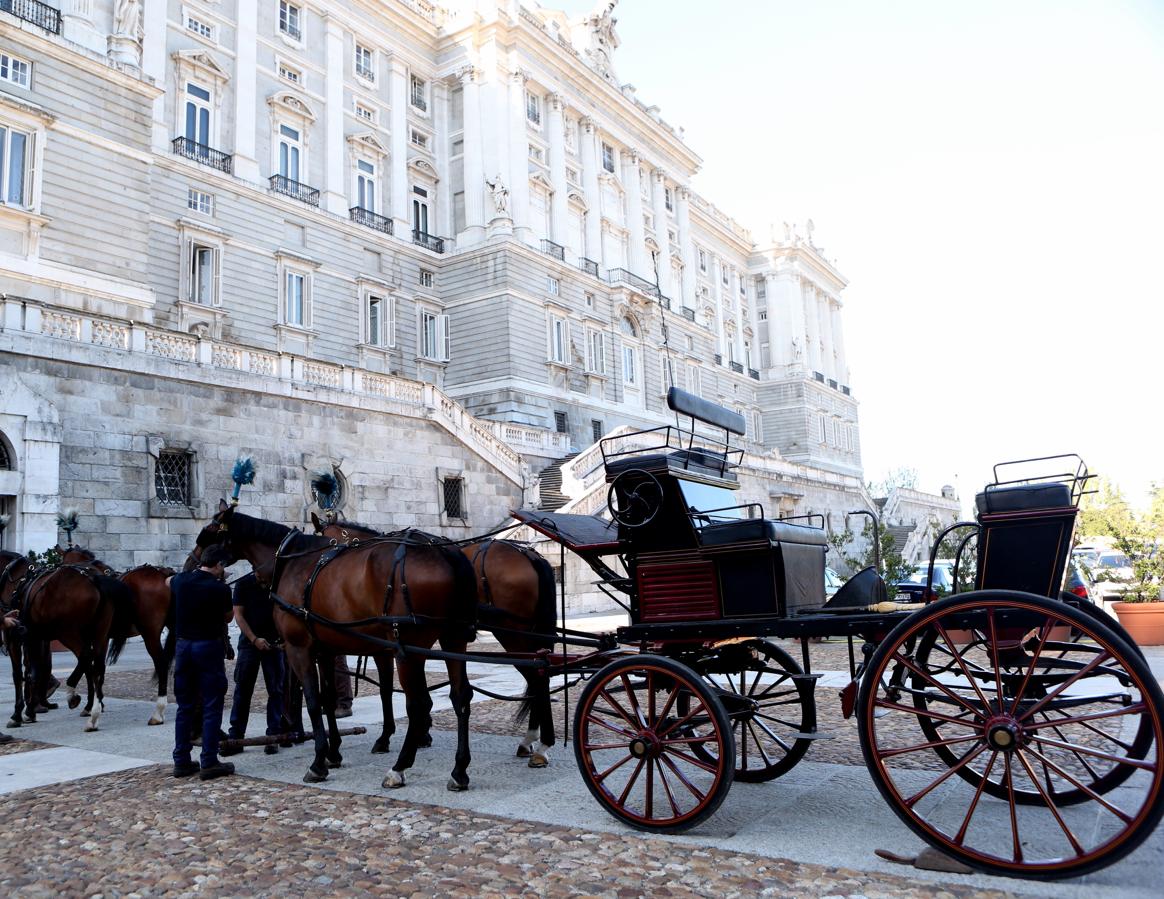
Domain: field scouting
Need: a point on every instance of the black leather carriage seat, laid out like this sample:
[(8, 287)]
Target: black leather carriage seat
[(1023, 497), (698, 460), (748, 529)]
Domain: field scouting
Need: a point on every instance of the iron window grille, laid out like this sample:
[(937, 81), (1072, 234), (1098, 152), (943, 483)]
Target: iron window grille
[(453, 490), (560, 422), (596, 429), (172, 478)]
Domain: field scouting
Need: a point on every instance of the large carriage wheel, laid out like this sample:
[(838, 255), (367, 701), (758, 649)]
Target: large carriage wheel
[(648, 764), (1047, 707), (769, 704)]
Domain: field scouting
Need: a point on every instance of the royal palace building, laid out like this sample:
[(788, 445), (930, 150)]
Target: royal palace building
[(435, 250)]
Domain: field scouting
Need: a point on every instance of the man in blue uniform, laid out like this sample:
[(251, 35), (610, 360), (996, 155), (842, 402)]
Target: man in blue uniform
[(254, 614), (201, 603)]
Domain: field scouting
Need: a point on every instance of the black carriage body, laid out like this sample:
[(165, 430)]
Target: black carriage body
[(1025, 533)]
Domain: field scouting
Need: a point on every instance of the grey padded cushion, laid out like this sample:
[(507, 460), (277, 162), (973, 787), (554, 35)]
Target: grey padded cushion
[(1019, 497), (705, 411), (760, 529)]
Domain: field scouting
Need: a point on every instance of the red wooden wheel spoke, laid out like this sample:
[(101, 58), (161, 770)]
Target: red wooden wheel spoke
[(760, 745), (954, 696), (689, 741), (631, 782), (1082, 672), (600, 747), (1030, 669), (1014, 834), (633, 701), (923, 713), (617, 708), (1115, 810), (649, 804), (1087, 750), (1078, 757), (605, 774), (919, 746), (601, 723), (650, 700), (791, 724), (1135, 709), (993, 651), (961, 835), (1079, 850), (949, 772), (671, 697), (961, 664), (1095, 730), (680, 722), (667, 789), (692, 760), (683, 779)]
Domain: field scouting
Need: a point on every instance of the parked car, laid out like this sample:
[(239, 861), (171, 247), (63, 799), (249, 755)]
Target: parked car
[(1076, 581), (833, 583), (1112, 573), (1087, 555), (913, 588)]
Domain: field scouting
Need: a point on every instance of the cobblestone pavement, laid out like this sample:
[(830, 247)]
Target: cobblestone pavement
[(143, 833)]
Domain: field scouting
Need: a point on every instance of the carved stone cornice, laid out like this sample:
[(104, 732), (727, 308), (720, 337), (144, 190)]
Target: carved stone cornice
[(588, 124), (519, 76), (468, 74), (556, 102)]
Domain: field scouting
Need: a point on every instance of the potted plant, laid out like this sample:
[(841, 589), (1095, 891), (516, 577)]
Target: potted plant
[(1142, 610)]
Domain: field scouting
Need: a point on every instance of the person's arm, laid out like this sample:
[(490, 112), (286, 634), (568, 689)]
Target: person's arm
[(259, 643), (12, 619)]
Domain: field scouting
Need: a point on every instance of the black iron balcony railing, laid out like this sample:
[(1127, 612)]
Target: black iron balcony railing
[(689, 313), (291, 29), (40, 14), (588, 265), (642, 285), (362, 216), (737, 367), (419, 102), (554, 249), (818, 376), (428, 241), (718, 359), (190, 149), (753, 374), (281, 184)]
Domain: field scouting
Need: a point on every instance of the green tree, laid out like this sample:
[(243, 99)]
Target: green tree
[(861, 555), (1104, 513)]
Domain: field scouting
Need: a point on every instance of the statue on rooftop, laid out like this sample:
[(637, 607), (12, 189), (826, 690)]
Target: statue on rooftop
[(127, 19), (603, 38)]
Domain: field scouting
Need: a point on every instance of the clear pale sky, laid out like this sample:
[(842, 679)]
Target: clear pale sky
[(987, 175)]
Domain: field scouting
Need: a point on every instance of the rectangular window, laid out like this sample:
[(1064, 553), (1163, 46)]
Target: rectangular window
[(290, 19), (172, 478), (743, 288), (364, 65), (418, 94), (572, 176), (553, 286), (419, 139), (289, 152), (559, 338), (203, 274), (426, 278), (14, 71), (703, 261), (536, 153), (561, 423), (669, 199), (596, 352), (15, 167), (763, 315), (200, 201), (365, 185), (420, 211), (198, 27), (287, 73), (589, 301), (533, 108), (597, 429), (435, 340), (630, 374), (724, 275), (608, 157), (197, 114), (294, 298), (365, 112), (381, 321), (452, 492)]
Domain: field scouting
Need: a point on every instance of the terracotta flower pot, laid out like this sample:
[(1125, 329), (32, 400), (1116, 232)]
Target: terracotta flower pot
[(1143, 620)]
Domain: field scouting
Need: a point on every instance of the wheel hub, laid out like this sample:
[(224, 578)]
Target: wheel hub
[(1003, 733), (644, 745)]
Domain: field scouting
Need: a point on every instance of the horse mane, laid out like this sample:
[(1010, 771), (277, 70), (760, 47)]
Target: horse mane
[(353, 525), (273, 533)]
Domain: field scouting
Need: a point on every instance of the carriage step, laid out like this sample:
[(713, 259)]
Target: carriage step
[(803, 678)]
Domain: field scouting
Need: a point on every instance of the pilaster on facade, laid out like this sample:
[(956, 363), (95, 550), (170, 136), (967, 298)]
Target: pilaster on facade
[(518, 157), (398, 128)]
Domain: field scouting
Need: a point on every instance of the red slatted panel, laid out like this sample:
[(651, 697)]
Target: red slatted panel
[(686, 592)]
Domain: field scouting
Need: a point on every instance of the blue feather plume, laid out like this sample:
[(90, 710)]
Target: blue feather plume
[(326, 489), (242, 473)]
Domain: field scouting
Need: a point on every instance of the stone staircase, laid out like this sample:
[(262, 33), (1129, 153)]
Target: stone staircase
[(550, 495)]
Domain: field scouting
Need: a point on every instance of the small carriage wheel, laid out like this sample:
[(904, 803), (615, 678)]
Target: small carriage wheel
[(637, 752), (1097, 776), (1043, 700), (644, 500), (768, 702)]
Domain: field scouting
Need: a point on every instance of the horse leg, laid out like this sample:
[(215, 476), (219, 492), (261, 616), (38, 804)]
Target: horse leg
[(15, 655), (31, 673), (328, 693), (384, 672), (153, 645), (71, 685), (97, 683), (419, 705), (300, 659), (461, 696), (540, 735)]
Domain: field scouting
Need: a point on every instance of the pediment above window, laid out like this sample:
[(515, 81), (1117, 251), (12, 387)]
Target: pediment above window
[(203, 63), (292, 105), (422, 167), (367, 143), (576, 199), (609, 180), (540, 180)]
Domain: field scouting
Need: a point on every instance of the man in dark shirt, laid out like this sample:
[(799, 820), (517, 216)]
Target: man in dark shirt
[(8, 621), (201, 604), (254, 614)]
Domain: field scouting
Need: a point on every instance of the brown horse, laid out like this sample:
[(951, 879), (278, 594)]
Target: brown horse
[(515, 602), (151, 614), (82, 608), (332, 599), (13, 568)]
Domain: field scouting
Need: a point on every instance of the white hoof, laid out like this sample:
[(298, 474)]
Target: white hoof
[(393, 780), (454, 787), (89, 728), (523, 751), (539, 760), (155, 720), (159, 715)]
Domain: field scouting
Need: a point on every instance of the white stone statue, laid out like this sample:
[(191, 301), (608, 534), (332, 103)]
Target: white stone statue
[(797, 352), (500, 194), (603, 38), (127, 19)]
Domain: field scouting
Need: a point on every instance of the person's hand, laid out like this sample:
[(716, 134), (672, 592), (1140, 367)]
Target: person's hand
[(262, 644), (11, 619)]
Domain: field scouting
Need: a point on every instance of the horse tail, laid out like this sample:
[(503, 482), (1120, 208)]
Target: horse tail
[(545, 624), (114, 591)]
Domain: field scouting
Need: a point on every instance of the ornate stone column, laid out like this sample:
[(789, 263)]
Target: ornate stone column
[(590, 185), (518, 158), (398, 123), (440, 137), (738, 306), (154, 65), (557, 135), (335, 195), (828, 359), (246, 164), (637, 260), (839, 343), (720, 331), (812, 324), (659, 196), (686, 248), (474, 159)]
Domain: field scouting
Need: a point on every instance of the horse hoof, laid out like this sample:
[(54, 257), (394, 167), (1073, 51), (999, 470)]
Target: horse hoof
[(539, 760), (522, 751), (313, 777), (90, 728), (393, 780), (14, 722), (74, 701), (155, 721), (380, 746), (454, 786), (425, 742), (29, 718), (335, 762)]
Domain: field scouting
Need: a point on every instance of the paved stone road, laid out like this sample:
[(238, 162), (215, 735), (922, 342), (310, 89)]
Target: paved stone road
[(95, 814)]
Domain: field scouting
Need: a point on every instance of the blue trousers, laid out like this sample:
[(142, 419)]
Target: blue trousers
[(199, 675), (246, 672)]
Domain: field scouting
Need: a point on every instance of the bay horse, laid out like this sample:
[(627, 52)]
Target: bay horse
[(515, 602), (89, 612), (329, 597), (151, 615)]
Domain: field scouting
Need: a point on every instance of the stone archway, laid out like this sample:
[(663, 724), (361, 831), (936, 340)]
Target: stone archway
[(30, 430)]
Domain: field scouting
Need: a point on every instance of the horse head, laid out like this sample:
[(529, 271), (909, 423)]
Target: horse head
[(216, 532)]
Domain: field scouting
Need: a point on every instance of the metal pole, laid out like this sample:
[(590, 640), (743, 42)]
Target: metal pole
[(876, 535)]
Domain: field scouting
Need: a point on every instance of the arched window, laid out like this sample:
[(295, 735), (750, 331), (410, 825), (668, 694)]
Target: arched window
[(631, 373), (5, 454)]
